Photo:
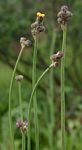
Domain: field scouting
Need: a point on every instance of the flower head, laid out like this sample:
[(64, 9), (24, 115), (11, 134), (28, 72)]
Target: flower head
[(24, 42), (22, 125), (63, 15), (56, 58), (39, 14), (38, 26), (40, 17)]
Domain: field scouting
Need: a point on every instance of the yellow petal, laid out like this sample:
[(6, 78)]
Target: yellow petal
[(40, 14)]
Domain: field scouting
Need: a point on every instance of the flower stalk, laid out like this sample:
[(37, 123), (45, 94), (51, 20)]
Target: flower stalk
[(30, 104), (21, 113), (51, 96), (55, 63), (23, 43), (64, 16), (63, 90), (36, 28), (10, 92), (35, 97), (34, 102)]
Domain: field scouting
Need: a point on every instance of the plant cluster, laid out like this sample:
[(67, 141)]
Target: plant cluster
[(23, 125)]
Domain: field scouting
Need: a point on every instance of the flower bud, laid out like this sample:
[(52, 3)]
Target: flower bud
[(19, 124), (54, 64), (63, 15), (22, 125), (24, 42), (40, 17), (19, 77), (28, 43), (57, 56), (34, 25), (64, 8), (40, 29), (38, 26)]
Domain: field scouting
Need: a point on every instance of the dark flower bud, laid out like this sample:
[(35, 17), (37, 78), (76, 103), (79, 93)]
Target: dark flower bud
[(40, 29), (39, 20), (54, 57), (57, 56), (19, 77), (64, 15), (54, 64)]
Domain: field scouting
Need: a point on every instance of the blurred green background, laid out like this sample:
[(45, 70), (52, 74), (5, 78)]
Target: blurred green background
[(16, 17)]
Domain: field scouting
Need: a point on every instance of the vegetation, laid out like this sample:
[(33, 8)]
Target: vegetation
[(16, 20)]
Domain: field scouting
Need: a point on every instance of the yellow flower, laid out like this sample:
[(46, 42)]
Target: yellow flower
[(40, 14)]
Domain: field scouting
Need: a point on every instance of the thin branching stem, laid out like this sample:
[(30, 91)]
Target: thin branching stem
[(63, 90), (10, 108)]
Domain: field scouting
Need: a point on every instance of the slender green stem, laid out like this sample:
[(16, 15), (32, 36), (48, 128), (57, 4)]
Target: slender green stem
[(51, 96), (20, 99), (21, 113), (24, 148), (30, 102), (23, 141), (34, 101), (10, 109), (63, 90), (35, 97)]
